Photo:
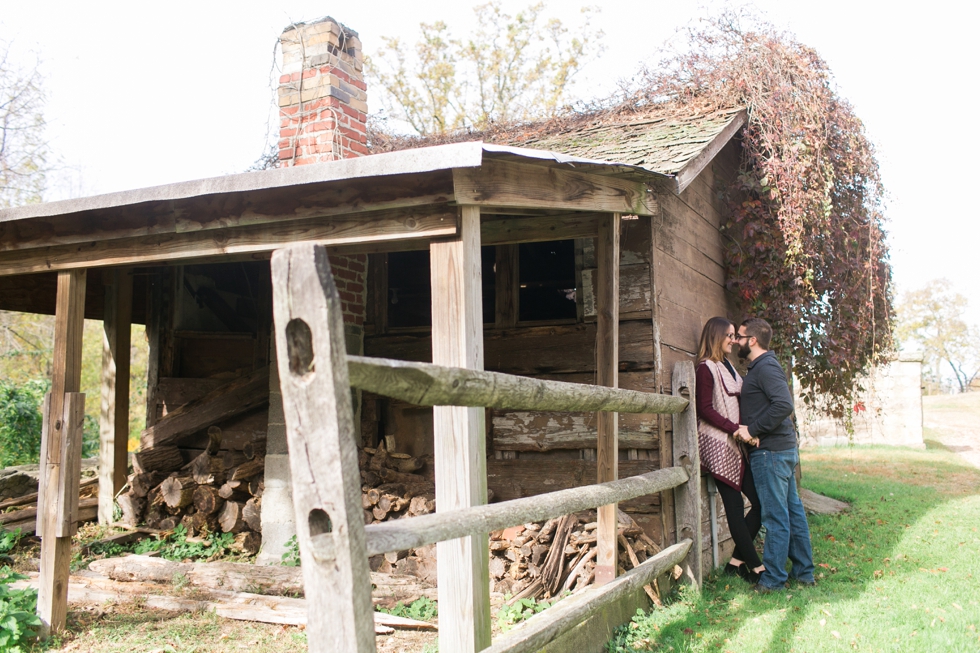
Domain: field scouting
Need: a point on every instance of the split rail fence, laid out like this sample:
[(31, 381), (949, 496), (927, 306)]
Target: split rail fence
[(316, 377)]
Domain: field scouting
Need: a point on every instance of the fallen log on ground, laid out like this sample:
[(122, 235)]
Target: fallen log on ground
[(236, 576), (91, 589)]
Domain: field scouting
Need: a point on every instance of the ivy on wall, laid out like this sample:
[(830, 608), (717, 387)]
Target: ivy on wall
[(804, 239)]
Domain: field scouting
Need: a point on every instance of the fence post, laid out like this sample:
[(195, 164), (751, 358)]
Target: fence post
[(312, 361), (687, 497)]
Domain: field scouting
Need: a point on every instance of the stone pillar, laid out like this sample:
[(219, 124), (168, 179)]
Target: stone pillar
[(277, 499)]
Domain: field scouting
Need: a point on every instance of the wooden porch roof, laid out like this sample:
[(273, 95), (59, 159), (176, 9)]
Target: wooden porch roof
[(371, 203)]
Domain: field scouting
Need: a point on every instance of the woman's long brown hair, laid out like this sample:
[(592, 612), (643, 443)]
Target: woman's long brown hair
[(713, 336)]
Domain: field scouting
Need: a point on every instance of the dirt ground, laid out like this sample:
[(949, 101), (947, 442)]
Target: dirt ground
[(953, 421)]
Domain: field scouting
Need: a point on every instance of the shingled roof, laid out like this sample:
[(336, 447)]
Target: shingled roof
[(677, 141)]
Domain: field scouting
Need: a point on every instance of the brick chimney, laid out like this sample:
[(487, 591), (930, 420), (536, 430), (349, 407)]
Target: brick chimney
[(322, 95), (322, 117)]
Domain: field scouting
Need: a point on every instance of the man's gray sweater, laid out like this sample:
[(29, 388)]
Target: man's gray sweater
[(767, 405)]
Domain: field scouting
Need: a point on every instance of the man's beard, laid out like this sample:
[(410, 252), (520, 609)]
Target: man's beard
[(744, 351)]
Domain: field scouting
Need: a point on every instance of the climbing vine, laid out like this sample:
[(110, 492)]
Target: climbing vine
[(804, 241)]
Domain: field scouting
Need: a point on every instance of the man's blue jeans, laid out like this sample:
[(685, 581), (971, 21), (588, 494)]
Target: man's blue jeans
[(787, 531)]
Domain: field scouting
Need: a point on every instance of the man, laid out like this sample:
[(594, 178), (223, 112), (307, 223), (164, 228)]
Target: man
[(766, 408)]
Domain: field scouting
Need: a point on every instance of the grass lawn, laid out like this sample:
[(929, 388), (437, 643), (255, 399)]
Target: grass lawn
[(899, 572)]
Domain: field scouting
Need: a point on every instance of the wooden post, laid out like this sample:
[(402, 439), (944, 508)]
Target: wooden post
[(58, 480), (687, 497), (114, 423), (665, 443), (312, 361), (607, 374), (460, 439)]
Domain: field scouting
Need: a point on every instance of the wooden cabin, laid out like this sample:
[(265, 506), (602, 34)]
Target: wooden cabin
[(550, 230)]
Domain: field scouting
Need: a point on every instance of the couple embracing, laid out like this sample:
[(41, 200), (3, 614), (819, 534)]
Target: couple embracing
[(748, 444)]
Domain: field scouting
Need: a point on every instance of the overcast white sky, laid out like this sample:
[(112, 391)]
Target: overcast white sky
[(141, 94)]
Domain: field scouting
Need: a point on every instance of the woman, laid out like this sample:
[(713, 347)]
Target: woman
[(722, 454)]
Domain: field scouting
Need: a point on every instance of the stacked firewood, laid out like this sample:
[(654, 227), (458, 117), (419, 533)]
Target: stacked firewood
[(546, 559), (21, 512), (395, 485), (218, 491)]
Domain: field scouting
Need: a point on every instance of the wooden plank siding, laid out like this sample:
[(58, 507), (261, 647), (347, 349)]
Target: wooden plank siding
[(691, 283)]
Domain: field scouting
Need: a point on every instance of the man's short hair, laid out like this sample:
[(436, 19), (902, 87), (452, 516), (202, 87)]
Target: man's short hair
[(759, 329)]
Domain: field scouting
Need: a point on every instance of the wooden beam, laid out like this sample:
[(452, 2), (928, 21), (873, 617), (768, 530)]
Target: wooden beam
[(114, 422), (506, 184), (404, 534), (316, 399), (501, 231), (366, 196), (544, 627), (262, 239), (507, 285), (687, 497), (607, 374), (224, 402), (460, 437), (426, 384), (66, 373)]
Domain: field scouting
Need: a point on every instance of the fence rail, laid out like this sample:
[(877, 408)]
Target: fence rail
[(427, 529), (545, 626), (425, 384), (316, 376)]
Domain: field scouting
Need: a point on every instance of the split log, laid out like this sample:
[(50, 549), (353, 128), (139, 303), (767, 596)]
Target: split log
[(224, 402), (252, 514), (249, 541), (141, 484), (163, 459), (132, 507), (256, 486), (230, 518), (207, 500), (178, 491), (207, 469), (554, 563), (168, 523), (233, 491), (247, 469)]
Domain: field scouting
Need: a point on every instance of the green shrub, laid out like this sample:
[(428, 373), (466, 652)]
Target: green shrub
[(290, 558), (174, 546), (17, 614), (20, 422), (520, 610), (8, 540), (423, 609)]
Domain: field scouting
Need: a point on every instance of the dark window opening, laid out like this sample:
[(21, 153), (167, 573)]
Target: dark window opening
[(410, 289), (547, 281)]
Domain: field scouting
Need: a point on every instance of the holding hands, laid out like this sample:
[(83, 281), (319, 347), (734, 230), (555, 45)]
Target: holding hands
[(743, 434)]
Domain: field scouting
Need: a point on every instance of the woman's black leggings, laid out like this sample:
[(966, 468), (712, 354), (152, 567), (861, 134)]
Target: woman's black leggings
[(744, 527)]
